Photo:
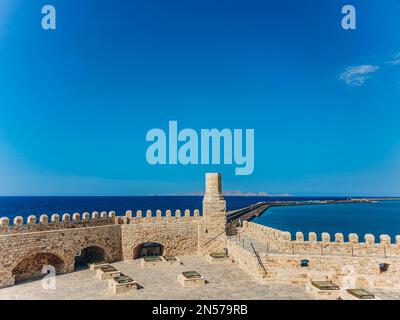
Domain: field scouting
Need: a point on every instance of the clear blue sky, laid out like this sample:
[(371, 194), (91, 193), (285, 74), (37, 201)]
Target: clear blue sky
[(76, 103)]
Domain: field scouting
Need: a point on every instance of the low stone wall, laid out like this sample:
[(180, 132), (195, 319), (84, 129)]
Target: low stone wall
[(245, 260), (343, 270)]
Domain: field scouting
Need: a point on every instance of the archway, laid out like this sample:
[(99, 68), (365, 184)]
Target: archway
[(88, 255), (31, 267), (148, 249)]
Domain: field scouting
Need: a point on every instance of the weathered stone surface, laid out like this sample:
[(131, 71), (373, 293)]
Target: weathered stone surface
[(299, 236), (369, 239), (31, 220), (312, 237), (85, 217), (339, 237), (18, 221), (326, 237), (44, 219), (384, 239), (212, 235), (353, 238), (129, 214), (5, 222)]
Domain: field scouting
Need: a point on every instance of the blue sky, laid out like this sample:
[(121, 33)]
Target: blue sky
[(76, 103)]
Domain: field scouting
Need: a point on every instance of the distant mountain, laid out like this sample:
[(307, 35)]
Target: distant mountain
[(232, 193)]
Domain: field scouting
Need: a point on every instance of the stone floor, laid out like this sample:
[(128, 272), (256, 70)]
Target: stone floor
[(224, 282)]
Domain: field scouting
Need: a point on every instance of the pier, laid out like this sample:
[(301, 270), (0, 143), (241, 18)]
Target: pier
[(235, 217), (247, 213)]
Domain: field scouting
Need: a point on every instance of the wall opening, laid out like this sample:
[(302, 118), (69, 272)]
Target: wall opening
[(148, 249), (89, 255), (31, 267)]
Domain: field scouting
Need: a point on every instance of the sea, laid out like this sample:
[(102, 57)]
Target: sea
[(361, 218)]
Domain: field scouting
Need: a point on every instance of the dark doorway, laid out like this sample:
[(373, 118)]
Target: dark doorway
[(148, 249), (89, 255)]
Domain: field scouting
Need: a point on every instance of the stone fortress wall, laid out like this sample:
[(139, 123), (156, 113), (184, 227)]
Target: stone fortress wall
[(118, 236), (25, 246), (350, 263), (281, 242)]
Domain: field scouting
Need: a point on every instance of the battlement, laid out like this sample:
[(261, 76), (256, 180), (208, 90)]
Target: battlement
[(149, 216), (283, 242), (65, 221), (77, 220), (158, 214)]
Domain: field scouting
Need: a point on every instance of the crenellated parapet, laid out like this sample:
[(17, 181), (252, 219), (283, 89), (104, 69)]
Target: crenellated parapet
[(285, 242), (55, 222), (158, 216), (86, 219)]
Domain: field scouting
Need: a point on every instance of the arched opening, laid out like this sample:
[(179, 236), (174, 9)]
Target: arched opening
[(89, 255), (35, 267), (148, 249)]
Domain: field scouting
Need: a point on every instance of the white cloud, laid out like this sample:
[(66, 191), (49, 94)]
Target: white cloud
[(356, 76), (396, 60)]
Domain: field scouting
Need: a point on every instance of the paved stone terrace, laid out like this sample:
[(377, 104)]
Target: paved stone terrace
[(225, 282)]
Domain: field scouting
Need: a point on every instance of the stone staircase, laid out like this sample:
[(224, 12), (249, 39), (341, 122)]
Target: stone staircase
[(290, 274), (295, 276)]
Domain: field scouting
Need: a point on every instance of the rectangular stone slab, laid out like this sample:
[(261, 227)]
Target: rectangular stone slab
[(169, 258), (191, 274), (361, 293), (97, 265), (108, 268), (122, 279), (152, 259), (325, 285), (218, 255)]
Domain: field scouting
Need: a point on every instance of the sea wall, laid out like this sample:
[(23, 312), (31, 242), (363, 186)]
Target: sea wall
[(279, 241), (349, 264)]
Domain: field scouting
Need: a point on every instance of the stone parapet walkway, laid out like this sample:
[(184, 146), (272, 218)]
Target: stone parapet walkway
[(226, 281)]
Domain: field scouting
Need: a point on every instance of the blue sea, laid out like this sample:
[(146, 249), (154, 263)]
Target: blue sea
[(361, 218)]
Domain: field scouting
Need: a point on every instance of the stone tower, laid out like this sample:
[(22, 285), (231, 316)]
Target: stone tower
[(214, 214)]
